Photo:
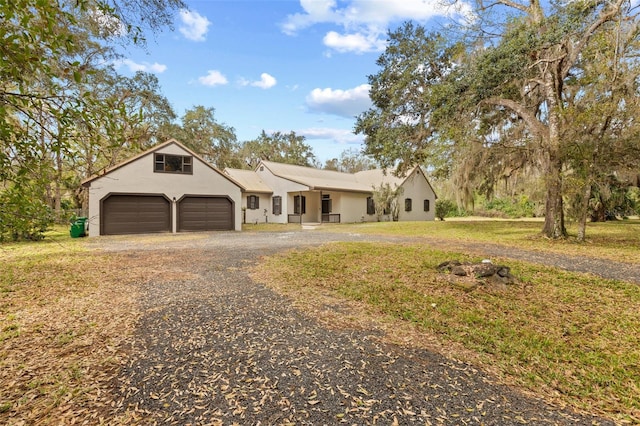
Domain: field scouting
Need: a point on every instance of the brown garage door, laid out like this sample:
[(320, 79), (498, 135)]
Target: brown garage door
[(202, 213), (135, 214)]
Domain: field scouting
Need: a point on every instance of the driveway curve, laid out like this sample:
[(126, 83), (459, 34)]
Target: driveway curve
[(214, 347)]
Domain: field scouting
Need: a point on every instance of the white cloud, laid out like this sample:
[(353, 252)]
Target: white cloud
[(194, 26), (341, 136), (266, 81), (364, 22), (345, 103), (133, 66), (358, 43), (213, 78)]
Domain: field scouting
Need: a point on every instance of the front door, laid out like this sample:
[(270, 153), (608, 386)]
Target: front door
[(326, 205)]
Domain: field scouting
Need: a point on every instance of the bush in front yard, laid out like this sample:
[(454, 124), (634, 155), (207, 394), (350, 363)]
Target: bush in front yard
[(23, 216)]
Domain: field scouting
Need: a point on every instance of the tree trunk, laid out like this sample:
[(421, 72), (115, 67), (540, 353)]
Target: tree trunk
[(554, 208), (58, 186), (584, 212)]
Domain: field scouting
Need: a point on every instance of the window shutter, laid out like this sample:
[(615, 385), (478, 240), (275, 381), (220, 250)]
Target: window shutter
[(371, 207), (253, 202), (277, 205), (407, 204)]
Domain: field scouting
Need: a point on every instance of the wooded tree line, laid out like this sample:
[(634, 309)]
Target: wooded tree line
[(67, 114), (549, 90)]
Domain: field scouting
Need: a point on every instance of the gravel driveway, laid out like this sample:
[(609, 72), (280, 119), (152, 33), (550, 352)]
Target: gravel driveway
[(214, 347)]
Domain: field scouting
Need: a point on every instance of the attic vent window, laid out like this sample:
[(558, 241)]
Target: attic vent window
[(167, 163)]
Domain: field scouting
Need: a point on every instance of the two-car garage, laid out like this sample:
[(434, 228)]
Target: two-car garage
[(168, 188), (151, 213)]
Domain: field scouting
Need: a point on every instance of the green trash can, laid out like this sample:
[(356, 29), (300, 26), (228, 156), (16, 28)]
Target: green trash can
[(78, 227)]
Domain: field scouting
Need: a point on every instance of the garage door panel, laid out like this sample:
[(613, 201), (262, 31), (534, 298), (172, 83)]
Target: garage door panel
[(135, 214), (205, 214)]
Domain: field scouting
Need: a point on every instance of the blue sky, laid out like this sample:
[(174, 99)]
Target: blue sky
[(279, 65)]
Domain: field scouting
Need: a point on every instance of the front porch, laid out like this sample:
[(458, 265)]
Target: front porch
[(325, 218)]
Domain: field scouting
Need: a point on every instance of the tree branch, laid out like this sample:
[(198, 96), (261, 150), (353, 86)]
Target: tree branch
[(575, 51), (513, 4), (534, 124)]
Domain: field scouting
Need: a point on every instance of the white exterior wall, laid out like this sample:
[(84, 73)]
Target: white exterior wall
[(281, 187), (418, 189), (352, 207), (138, 177), (258, 215)]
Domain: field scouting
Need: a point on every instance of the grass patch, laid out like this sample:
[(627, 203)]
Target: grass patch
[(570, 337), (271, 227), (64, 313), (617, 240)]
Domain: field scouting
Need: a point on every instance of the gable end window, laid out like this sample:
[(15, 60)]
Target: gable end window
[(167, 163), (253, 202), (299, 204), (371, 206), (427, 205), (277, 205), (407, 204)]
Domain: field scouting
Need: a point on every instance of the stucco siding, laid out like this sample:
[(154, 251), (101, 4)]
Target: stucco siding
[(351, 206), (138, 177), (416, 188), (280, 187), (258, 215)]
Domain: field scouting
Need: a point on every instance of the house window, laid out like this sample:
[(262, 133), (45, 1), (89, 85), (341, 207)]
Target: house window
[(167, 163), (253, 202), (407, 204), (277, 204), (371, 206), (427, 205), (299, 204)]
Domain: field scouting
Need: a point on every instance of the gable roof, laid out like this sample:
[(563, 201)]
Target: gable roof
[(249, 180), (317, 179), (151, 150), (379, 176), (376, 177)]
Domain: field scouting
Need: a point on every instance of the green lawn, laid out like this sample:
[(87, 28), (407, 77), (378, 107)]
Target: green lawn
[(619, 240), (569, 337)]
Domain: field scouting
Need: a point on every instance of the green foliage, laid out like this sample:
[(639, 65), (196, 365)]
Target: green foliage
[(350, 161), (448, 208), (214, 141), (61, 109), (549, 86), (511, 208), (405, 93), (23, 216), (386, 200), (287, 148)]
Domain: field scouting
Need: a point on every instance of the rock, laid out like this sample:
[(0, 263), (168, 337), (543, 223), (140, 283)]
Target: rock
[(504, 271), (459, 271), (448, 265), (483, 270), (468, 276)]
